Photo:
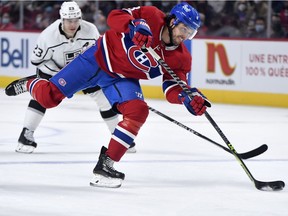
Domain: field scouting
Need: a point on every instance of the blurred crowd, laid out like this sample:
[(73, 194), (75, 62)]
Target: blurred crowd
[(240, 18)]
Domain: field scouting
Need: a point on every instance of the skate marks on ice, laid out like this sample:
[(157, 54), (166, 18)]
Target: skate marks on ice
[(172, 173)]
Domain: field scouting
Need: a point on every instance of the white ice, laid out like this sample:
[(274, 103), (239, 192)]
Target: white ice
[(173, 173)]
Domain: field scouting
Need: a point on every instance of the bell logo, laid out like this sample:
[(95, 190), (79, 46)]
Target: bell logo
[(219, 49)]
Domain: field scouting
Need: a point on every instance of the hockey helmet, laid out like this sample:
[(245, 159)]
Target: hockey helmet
[(70, 10), (188, 15)]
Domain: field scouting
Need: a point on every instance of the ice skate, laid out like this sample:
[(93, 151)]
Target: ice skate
[(26, 143), (132, 148), (104, 173), (18, 86)]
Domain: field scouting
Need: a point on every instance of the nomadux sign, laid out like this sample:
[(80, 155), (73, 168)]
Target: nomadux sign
[(240, 65)]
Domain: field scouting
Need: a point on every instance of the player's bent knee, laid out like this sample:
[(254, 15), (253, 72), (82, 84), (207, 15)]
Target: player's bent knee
[(135, 113), (142, 111), (135, 109), (33, 104), (47, 94)]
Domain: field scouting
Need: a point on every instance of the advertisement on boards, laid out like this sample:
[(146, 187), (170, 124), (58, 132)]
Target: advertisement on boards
[(15, 52), (240, 65), (223, 67)]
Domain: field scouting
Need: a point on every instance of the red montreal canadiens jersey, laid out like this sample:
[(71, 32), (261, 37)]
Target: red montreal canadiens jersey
[(118, 54)]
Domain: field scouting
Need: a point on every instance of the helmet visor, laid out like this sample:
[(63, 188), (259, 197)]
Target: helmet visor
[(188, 32)]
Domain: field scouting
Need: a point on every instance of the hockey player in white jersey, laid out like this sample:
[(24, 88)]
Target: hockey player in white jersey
[(56, 46)]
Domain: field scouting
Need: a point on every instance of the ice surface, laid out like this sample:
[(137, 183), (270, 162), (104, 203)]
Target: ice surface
[(173, 172)]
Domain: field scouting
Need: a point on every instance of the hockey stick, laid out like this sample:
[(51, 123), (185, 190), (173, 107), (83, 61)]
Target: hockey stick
[(274, 185), (246, 155)]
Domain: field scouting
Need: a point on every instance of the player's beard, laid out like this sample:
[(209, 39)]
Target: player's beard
[(177, 40)]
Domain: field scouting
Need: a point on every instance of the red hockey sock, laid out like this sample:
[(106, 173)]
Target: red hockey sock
[(135, 113), (45, 92), (115, 150)]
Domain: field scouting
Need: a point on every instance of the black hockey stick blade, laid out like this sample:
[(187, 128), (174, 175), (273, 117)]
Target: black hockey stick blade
[(269, 186), (253, 153)]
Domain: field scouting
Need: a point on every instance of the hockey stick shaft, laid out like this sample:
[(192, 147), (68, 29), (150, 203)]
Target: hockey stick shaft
[(245, 155), (188, 92), (277, 185)]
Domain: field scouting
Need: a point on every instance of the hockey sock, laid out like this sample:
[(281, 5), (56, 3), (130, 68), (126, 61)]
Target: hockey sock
[(45, 92), (135, 113), (110, 118), (34, 115)]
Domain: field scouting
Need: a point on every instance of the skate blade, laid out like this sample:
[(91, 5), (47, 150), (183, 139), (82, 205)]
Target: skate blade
[(107, 182), (131, 150), (24, 149)]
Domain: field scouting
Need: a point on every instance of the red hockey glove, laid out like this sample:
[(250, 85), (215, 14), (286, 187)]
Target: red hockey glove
[(198, 104), (140, 33)]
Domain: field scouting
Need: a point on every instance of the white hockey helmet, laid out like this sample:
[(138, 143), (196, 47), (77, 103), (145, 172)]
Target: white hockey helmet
[(70, 10)]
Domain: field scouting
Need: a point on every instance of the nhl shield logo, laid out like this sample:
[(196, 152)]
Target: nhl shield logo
[(62, 82)]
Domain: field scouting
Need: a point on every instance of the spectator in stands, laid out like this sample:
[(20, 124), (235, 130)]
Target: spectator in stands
[(284, 18), (213, 26), (244, 13), (277, 29), (41, 22), (229, 28), (107, 6), (166, 6), (32, 16), (5, 22), (260, 28), (277, 6), (203, 7), (6, 6), (217, 6), (202, 31), (89, 9), (243, 9), (260, 8), (39, 14), (250, 30), (100, 22)]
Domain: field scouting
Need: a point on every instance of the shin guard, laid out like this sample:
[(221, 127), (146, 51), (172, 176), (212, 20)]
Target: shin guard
[(135, 113)]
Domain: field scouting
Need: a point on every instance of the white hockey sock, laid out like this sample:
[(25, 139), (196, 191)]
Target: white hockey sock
[(110, 118), (32, 118), (111, 123)]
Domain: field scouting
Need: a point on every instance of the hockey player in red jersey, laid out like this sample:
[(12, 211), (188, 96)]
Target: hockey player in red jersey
[(116, 63)]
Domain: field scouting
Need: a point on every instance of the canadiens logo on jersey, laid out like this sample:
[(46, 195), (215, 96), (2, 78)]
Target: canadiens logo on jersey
[(140, 60)]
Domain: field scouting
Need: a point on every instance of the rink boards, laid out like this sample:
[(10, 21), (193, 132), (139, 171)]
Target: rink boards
[(236, 71)]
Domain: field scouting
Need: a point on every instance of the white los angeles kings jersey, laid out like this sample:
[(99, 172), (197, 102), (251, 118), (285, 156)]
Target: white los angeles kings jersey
[(53, 50)]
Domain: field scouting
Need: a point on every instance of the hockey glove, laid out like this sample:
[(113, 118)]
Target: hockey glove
[(197, 104), (140, 33)]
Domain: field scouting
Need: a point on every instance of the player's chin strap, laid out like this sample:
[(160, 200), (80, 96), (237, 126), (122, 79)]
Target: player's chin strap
[(170, 30), (274, 185)]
